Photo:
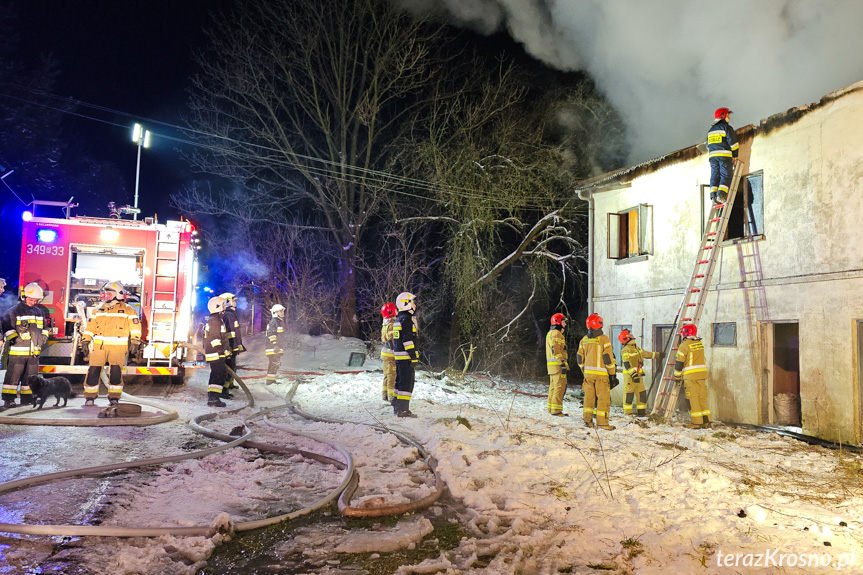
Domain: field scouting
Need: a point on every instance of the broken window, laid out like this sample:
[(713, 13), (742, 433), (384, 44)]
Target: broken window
[(747, 212), (630, 232), (725, 334)]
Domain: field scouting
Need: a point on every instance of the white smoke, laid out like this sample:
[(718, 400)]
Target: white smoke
[(666, 65)]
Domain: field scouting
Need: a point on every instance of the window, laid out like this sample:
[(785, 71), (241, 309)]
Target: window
[(630, 232), (725, 334), (747, 213)]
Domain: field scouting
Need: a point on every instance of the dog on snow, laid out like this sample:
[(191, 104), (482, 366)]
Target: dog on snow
[(43, 388)]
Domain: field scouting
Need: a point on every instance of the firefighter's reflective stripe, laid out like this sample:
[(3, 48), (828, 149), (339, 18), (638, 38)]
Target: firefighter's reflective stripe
[(555, 351), (386, 339), (595, 370), (23, 351), (280, 329), (403, 394), (591, 353), (215, 342), (10, 334), (115, 388), (695, 369), (271, 351), (212, 356), (111, 340)]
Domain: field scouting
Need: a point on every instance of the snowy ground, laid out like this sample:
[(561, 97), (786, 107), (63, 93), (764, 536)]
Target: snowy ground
[(537, 494)]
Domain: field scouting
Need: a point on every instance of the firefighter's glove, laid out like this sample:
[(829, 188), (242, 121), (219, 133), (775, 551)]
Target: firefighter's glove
[(240, 349), (613, 382), (25, 336)]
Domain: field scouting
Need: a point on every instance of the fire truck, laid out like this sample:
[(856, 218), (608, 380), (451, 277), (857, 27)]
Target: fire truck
[(71, 259)]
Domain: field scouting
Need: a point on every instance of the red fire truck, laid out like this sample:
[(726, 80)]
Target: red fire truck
[(156, 262)]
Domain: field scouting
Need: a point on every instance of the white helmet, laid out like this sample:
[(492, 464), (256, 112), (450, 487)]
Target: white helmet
[(406, 301), (277, 309), (32, 290), (216, 304), (113, 291), (230, 299)]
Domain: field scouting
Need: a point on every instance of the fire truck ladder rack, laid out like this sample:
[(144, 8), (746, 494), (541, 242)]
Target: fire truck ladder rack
[(668, 391), (163, 313)]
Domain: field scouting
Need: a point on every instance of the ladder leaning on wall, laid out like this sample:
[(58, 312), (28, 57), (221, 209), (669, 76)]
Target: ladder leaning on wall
[(668, 391)]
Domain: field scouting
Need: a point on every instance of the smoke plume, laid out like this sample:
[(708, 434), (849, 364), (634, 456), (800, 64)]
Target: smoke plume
[(666, 65)]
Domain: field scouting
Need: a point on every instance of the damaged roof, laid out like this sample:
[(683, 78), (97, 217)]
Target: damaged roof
[(625, 175)]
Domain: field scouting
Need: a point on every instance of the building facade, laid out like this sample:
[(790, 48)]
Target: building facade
[(784, 314)]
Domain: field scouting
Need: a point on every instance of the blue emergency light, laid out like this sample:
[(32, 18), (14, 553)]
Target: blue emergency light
[(47, 236), (27, 216)]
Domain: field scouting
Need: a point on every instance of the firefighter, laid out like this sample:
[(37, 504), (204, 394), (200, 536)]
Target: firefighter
[(556, 364), (275, 335), (596, 360), (722, 150), (406, 353), (216, 350), (26, 332), (633, 358), (113, 331), (235, 337), (389, 312), (691, 367)]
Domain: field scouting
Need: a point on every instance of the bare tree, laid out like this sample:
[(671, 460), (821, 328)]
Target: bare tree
[(298, 104)]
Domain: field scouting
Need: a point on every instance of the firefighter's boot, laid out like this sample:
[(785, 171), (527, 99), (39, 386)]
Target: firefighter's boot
[(113, 401), (607, 427), (9, 404), (214, 401), (693, 426), (27, 399), (406, 413), (90, 402)]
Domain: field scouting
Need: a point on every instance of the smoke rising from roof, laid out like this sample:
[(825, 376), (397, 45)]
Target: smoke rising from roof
[(666, 65)]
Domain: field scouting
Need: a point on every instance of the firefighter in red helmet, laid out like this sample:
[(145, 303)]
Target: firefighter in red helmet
[(114, 331), (556, 361), (389, 313), (691, 367), (722, 150), (633, 358), (596, 360)]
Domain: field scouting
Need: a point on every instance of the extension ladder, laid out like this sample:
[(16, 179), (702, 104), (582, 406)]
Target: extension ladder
[(163, 314), (668, 391)]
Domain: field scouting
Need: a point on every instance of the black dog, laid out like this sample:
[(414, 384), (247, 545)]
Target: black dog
[(43, 388)]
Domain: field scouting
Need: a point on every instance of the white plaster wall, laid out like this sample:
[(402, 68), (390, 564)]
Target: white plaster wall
[(811, 259)]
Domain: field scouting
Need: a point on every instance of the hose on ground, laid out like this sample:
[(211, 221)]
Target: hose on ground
[(19, 418)]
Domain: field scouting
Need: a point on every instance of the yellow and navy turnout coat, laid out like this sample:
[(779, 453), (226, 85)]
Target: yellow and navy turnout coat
[(722, 140), (404, 338), (26, 330), (216, 342)]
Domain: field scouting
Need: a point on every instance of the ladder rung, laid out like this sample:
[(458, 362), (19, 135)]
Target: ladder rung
[(688, 305), (700, 275), (711, 233), (715, 219), (693, 290), (707, 248)]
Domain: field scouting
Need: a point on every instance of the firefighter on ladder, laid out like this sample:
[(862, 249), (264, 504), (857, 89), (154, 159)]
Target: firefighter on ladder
[(112, 332), (275, 337), (26, 332), (596, 360), (633, 358), (235, 338), (722, 150), (216, 350), (389, 312), (406, 352), (556, 364), (691, 367)]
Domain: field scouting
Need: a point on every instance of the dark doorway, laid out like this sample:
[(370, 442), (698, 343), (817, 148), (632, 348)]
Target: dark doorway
[(786, 374)]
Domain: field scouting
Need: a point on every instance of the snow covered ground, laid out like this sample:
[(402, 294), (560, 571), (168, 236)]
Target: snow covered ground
[(538, 494)]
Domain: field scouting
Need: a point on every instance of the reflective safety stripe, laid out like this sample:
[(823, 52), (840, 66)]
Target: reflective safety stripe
[(387, 354), (408, 345), (280, 330), (215, 342), (111, 339), (694, 368), (553, 362), (402, 355), (588, 410), (601, 413), (699, 413), (212, 356), (721, 154), (641, 406), (402, 394), (115, 388), (22, 351)]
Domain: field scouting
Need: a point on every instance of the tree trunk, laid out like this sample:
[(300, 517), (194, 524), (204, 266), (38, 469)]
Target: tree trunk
[(348, 285)]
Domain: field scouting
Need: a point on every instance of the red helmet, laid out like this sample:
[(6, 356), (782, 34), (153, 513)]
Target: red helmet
[(722, 113), (558, 319), (689, 330), (624, 336), (389, 310), (594, 321)]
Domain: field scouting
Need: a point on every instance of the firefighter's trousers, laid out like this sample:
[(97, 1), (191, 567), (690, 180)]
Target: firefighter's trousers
[(721, 171), (597, 399), (389, 378), (113, 355), (19, 368), (632, 387), (273, 367), (218, 373), (404, 386), (696, 393), (232, 363), (556, 390)]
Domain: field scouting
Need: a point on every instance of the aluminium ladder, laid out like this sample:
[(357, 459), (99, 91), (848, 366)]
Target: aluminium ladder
[(163, 313), (668, 391)]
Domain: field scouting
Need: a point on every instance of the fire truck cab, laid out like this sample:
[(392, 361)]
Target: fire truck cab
[(71, 259)]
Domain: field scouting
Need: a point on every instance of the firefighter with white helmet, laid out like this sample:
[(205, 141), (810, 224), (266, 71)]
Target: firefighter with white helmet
[(633, 358), (235, 338), (275, 341), (113, 330), (691, 367), (26, 331), (388, 358), (596, 360), (216, 350), (406, 351), (556, 361)]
